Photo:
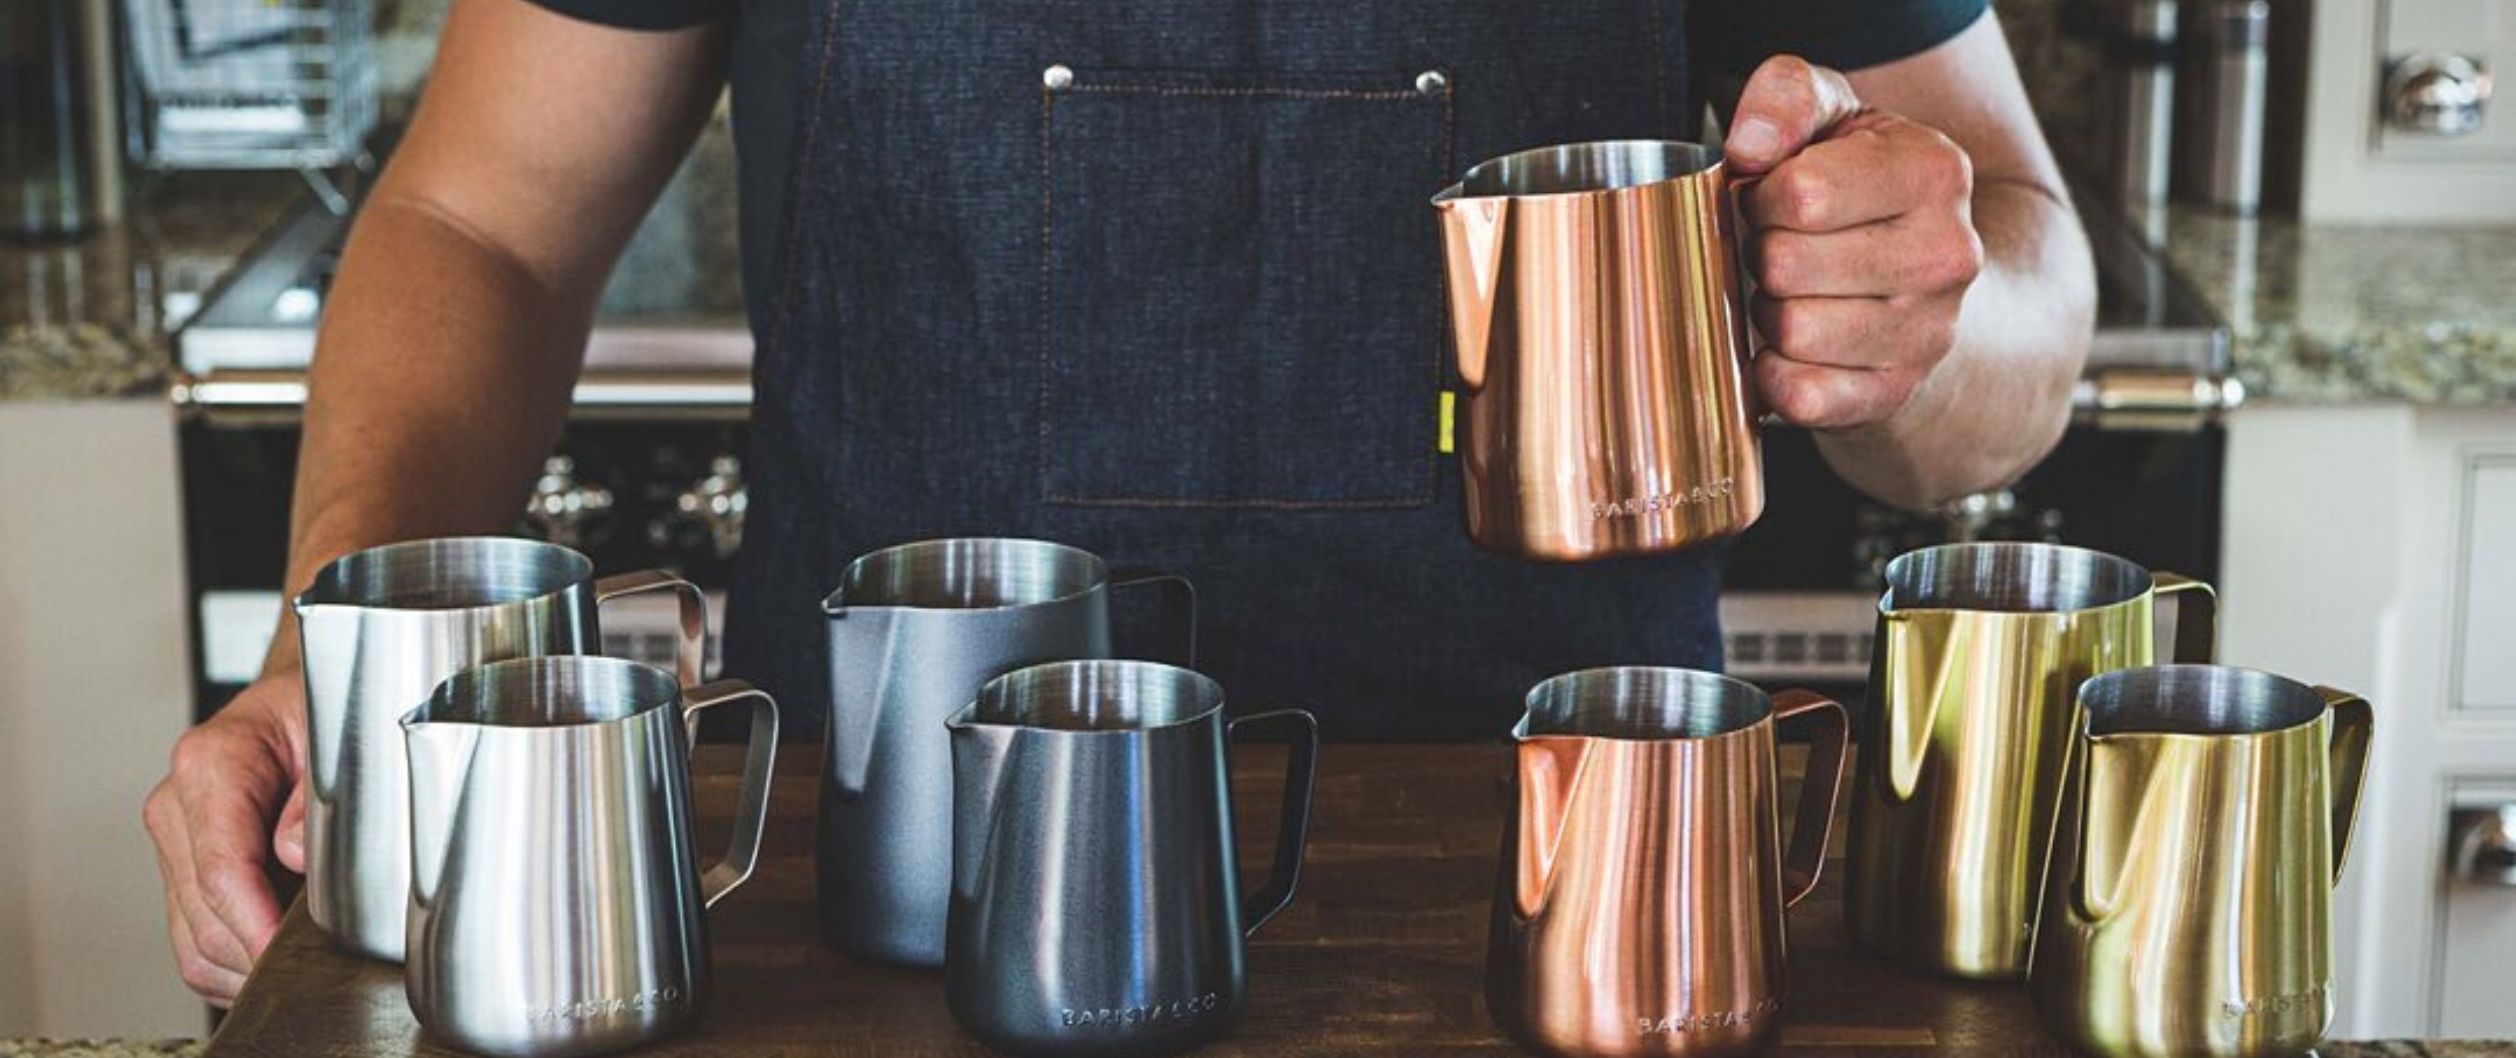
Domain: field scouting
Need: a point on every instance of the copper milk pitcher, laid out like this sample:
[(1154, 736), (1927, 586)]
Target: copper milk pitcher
[(2188, 911), (1979, 651), (1601, 333), (1644, 877)]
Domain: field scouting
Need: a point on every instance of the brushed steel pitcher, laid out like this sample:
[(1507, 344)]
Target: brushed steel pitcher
[(2188, 912), (379, 629), (1979, 651), (1096, 897), (914, 630), (1644, 876), (556, 904), (1601, 335)]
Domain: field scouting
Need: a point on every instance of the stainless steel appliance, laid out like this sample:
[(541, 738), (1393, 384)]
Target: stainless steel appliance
[(1096, 901), (648, 472), (661, 408), (556, 906), (914, 631), (381, 628)]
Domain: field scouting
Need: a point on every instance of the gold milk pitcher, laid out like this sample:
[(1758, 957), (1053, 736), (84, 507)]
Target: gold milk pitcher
[(2188, 912), (1645, 872), (1979, 651), (1600, 327)]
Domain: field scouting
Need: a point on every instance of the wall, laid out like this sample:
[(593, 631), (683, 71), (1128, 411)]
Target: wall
[(92, 693)]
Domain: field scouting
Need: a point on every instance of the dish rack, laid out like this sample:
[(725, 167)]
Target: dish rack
[(254, 84)]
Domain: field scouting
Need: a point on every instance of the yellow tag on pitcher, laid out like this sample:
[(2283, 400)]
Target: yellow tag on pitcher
[(1449, 421)]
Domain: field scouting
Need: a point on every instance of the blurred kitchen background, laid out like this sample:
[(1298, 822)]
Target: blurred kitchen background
[(2304, 391)]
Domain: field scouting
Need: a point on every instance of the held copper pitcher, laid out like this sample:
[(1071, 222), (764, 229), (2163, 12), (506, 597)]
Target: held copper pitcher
[(1601, 333), (2188, 911), (1979, 651), (1097, 902), (1644, 876)]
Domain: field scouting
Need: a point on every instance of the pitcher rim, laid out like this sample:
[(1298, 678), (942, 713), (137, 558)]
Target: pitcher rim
[(2087, 717), (1458, 189), (2144, 575), (967, 715), (1520, 729), (584, 573), (836, 603), (412, 717)]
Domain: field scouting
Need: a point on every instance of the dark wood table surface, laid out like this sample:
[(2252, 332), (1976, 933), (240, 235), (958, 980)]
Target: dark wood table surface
[(1380, 954)]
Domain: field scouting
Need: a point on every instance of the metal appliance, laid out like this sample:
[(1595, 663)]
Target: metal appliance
[(648, 472), (653, 477)]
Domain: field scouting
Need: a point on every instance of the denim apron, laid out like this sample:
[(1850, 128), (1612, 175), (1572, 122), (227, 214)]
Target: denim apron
[(1160, 280)]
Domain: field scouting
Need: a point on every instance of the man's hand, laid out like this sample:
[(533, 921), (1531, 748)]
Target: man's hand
[(1863, 245), (213, 822)]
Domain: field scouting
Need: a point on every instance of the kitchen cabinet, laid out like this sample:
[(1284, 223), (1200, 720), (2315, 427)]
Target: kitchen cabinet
[(94, 688), (2363, 162), (2373, 547)]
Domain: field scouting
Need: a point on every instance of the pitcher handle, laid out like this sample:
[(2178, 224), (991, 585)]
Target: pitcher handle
[(1819, 789), (751, 811), (2196, 617), (1179, 610), (691, 655), (1292, 834), (2354, 726)]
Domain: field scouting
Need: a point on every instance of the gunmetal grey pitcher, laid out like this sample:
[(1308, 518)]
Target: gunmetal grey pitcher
[(1096, 899), (914, 631), (556, 904), (379, 629)]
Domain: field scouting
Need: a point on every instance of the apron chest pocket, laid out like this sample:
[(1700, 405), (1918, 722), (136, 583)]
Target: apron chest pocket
[(1239, 288)]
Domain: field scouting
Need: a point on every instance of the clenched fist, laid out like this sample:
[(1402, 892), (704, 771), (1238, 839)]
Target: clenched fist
[(1862, 245)]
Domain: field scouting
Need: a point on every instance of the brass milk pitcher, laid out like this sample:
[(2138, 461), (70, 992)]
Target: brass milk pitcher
[(2188, 912), (1644, 875), (1979, 651), (1601, 333)]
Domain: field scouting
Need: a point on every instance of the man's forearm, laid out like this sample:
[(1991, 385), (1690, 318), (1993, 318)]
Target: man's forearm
[(441, 376), (2001, 399)]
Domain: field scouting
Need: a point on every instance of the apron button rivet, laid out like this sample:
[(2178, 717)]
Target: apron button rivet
[(1057, 77), (1431, 82)]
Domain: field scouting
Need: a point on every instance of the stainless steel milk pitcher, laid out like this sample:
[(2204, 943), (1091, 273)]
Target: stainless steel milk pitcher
[(1096, 903), (914, 631), (379, 629), (556, 904)]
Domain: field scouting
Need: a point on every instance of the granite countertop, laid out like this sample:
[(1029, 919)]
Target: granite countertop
[(2331, 314), (88, 317)]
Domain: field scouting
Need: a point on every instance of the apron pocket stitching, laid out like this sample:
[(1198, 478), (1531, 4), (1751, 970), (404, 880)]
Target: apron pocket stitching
[(1052, 491)]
